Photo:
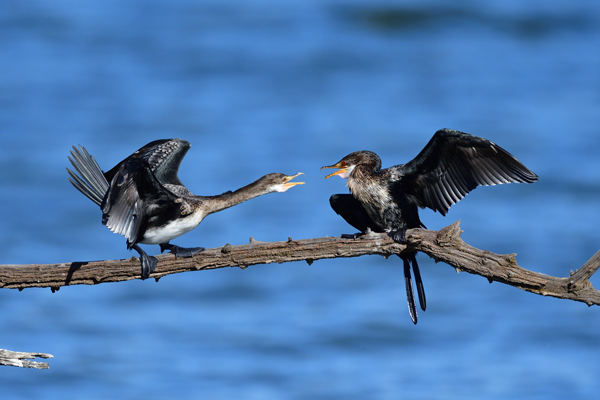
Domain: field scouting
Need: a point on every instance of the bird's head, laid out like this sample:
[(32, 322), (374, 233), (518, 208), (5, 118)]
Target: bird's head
[(346, 165), (277, 182)]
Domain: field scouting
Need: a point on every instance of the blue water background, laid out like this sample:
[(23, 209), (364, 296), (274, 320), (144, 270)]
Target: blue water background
[(289, 86)]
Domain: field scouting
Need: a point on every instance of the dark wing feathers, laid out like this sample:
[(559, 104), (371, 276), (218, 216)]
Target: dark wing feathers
[(349, 208), (132, 190), (452, 164), (121, 207), (163, 157), (133, 193)]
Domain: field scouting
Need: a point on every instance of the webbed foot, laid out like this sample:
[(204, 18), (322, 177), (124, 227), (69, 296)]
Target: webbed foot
[(148, 265), (184, 252), (148, 262), (351, 235), (398, 236)]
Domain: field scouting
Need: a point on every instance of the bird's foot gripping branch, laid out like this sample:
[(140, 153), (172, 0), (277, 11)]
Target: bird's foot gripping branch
[(142, 198), (445, 245)]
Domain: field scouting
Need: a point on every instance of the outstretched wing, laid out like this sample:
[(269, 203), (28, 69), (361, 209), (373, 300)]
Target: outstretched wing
[(134, 197), (163, 157), (452, 164)]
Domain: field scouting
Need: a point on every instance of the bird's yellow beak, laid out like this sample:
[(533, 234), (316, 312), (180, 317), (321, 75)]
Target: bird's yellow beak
[(286, 181), (342, 168)]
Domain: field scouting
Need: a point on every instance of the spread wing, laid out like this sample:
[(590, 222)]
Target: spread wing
[(452, 164), (163, 157), (134, 198)]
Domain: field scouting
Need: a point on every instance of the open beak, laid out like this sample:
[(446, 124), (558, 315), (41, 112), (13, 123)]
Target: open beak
[(342, 169), (286, 181)]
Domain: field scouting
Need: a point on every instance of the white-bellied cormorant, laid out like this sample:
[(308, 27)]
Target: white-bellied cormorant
[(143, 199), (385, 200)]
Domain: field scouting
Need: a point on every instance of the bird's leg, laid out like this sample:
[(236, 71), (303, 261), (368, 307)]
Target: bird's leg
[(148, 262), (398, 236), (410, 296), (356, 235), (181, 251)]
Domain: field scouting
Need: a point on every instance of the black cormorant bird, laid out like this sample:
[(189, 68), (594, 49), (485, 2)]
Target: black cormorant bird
[(143, 199), (385, 200)]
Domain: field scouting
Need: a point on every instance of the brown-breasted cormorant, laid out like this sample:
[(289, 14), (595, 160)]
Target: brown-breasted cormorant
[(143, 199), (385, 200)]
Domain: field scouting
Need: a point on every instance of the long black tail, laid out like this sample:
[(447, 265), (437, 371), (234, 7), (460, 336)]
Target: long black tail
[(355, 214), (92, 182), (408, 259)]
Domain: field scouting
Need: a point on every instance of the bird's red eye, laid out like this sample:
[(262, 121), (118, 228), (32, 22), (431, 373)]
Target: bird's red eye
[(344, 163)]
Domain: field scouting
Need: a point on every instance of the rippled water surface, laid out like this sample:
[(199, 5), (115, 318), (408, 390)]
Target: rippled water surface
[(271, 86)]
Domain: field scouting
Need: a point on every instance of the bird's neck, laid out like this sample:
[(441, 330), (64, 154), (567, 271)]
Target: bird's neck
[(213, 204), (360, 174), (366, 186)]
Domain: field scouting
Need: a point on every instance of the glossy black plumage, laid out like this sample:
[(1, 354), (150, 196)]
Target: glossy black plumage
[(386, 200), (142, 190), (355, 214), (452, 164), (143, 199)]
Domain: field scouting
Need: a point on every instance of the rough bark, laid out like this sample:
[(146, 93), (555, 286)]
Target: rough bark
[(21, 359), (444, 245)]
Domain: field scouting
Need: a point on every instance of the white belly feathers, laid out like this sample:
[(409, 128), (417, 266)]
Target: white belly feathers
[(172, 230)]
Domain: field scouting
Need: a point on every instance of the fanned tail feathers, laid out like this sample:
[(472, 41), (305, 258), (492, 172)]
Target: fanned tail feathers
[(90, 181)]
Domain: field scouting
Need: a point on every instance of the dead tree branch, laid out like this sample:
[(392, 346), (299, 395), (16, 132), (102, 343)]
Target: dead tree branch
[(21, 359), (444, 245)]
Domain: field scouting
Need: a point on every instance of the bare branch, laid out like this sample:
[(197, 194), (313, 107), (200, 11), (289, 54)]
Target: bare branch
[(445, 245), (588, 269), (21, 359)]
